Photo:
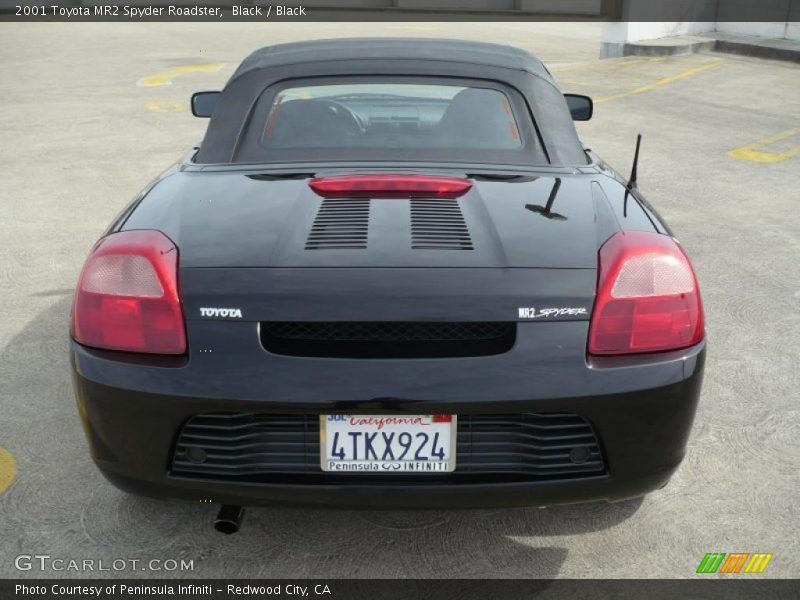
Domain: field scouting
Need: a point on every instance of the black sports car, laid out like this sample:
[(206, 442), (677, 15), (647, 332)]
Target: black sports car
[(391, 275)]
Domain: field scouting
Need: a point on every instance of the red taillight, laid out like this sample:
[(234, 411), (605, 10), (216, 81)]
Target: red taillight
[(127, 295), (647, 297), (390, 186)]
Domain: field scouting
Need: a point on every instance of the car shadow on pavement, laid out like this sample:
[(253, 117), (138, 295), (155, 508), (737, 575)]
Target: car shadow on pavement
[(61, 506)]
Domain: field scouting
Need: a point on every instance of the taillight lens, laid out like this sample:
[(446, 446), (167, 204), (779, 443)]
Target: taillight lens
[(647, 297), (390, 186), (127, 295)]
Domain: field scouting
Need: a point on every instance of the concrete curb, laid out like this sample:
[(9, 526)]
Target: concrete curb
[(774, 49), (759, 51), (660, 49)]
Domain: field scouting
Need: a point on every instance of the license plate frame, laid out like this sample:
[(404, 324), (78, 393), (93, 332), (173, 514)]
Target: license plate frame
[(389, 467)]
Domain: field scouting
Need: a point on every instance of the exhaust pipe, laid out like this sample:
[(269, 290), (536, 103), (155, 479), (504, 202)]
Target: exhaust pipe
[(229, 519)]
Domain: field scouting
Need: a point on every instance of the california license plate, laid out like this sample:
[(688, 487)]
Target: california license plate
[(388, 443)]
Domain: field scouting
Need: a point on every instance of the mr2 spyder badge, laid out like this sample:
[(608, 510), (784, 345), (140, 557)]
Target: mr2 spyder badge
[(530, 312)]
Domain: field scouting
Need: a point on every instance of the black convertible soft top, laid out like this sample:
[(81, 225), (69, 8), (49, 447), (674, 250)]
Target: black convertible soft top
[(476, 53), (393, 56)]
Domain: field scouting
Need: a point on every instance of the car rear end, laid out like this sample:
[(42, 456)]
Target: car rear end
[(500, 353), (462, 334)]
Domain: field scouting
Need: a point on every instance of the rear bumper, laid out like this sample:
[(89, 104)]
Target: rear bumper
[(366, 496), (642, 411)]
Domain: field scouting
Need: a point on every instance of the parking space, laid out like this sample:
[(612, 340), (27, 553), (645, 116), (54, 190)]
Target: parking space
[(91, 112)]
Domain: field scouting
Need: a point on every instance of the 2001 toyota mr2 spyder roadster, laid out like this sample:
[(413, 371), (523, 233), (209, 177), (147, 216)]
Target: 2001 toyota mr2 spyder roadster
[(391, 275)]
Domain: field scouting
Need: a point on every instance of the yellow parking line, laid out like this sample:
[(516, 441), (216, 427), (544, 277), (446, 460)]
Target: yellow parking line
[(165, 106), (610, 62), (166, 77), (751, 151), (628, 74), (8, 469), (663, 81), (592, 84)]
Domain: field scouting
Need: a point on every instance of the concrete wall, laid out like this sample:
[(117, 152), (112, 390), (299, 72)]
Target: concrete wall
[(694, 17), (615, 35), (633, 32)]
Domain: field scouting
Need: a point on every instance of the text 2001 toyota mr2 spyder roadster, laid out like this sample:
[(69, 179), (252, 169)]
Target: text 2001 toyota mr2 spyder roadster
[(391, 275)]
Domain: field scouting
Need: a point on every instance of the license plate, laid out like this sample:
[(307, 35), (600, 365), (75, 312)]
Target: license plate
[(388, 443)]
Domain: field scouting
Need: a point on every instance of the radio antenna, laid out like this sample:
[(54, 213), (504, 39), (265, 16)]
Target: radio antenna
[(632, 181)]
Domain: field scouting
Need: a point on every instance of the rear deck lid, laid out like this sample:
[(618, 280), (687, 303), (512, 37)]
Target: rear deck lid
[(229, 220)]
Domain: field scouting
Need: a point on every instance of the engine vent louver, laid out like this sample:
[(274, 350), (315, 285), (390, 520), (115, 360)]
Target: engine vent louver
[(340, 224), (343, 224), (438, 224)]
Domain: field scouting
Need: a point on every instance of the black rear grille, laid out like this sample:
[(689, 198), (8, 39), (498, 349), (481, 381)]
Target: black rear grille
[(263, 448), (387, 339), (438, 224), (340, 224)]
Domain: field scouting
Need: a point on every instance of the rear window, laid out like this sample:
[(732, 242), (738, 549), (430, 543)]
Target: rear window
[(386, 120)]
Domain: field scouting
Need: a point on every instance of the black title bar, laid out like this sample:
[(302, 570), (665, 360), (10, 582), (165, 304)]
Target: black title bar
[(402, 10), (704, 587)]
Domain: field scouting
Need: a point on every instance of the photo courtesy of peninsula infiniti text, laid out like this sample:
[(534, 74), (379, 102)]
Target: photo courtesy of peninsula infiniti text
[(390, 275)]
